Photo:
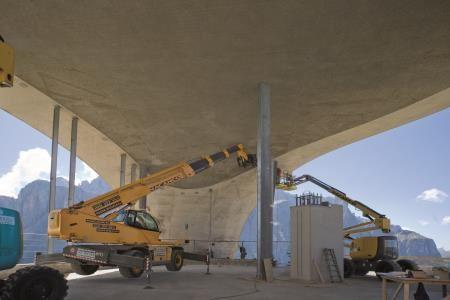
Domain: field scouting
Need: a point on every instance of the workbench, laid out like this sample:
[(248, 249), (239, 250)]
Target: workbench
[(406, 283)]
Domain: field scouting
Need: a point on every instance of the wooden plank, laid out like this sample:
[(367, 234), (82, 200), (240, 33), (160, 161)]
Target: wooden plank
[(384, 289), (397, 291), (415, 280), (318, 271), (405, 291)]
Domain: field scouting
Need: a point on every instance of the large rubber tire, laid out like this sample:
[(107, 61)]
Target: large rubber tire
[(361, 268), (81, 269), (407, 264), (176, 260), (386, 266), (132, 272), (35, 283), (348, 268)]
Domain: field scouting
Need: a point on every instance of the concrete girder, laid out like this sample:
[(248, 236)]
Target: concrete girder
[(36, 109), (232, 200), (167, 80)]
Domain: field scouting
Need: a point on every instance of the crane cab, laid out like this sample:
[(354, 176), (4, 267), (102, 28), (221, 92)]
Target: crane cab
[(374, 248), (137, 219)]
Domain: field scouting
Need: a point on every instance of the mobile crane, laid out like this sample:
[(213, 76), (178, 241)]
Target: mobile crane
[(367, 253), (33, 282), (124, 237)]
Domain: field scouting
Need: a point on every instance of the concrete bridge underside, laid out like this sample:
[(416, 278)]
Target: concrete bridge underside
[(165, 81)]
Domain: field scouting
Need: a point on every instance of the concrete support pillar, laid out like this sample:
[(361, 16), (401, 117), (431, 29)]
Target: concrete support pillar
[(143, 171), (211, 199), (123, 165), (73, 161), (133, 173), (53, 167), (264, 181)]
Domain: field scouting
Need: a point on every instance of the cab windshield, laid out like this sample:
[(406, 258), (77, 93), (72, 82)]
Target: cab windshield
[(120, 216), (140, 219)]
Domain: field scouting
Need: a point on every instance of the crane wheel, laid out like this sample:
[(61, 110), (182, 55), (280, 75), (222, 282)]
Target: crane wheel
[(81, 269), (35, 283), (176, 260), (407, 264), (386, 266), (132, 272), (361, 268), (348, 268)]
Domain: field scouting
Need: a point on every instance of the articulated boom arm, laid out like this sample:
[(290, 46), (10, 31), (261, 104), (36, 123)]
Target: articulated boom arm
[(107, 205), (288, 182)]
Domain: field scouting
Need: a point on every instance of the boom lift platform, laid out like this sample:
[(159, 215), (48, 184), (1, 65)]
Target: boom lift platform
[(106, 232)]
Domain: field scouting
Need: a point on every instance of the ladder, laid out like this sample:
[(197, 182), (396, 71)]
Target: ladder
[(333, 269)]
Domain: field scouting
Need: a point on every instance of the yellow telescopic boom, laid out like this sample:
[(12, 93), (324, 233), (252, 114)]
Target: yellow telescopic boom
[(379, 221), (106, 205)]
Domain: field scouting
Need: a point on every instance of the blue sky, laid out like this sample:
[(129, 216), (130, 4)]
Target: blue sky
[(403, 173), (25, 156)]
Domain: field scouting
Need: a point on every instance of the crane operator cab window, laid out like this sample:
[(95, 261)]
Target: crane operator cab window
[(387, 247), (141, 219), (120, 218)]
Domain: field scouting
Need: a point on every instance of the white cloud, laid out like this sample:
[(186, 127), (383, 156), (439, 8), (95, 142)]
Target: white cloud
[(84, 172), (446, 220), (424, 223), (433, 195), (32, 164)]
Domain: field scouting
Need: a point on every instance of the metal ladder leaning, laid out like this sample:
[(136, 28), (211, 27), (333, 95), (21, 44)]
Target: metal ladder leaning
[(333, 268)]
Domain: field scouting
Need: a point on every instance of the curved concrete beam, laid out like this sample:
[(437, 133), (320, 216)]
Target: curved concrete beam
[(169, 80), (185, 213), (36, 109)]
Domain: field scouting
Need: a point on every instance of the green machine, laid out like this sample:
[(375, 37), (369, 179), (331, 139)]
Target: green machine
[(29, 283)]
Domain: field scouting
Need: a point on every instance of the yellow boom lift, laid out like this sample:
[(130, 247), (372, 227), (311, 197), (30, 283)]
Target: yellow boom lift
[(367, 253), (105, 231)]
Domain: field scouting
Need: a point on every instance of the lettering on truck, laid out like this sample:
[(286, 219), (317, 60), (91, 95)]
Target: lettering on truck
[(107, 205), (168, 181), (103, 226)]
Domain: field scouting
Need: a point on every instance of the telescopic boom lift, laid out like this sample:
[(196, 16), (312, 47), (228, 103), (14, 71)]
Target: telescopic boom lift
[(368, 252)]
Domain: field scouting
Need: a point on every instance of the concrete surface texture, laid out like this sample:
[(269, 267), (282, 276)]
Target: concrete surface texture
[(165, 81), (314, 228), (226, 282)]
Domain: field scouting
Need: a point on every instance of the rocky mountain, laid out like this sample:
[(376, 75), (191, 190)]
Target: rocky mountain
[(410, 243), (9, 202), (32, 203), (444, 253)]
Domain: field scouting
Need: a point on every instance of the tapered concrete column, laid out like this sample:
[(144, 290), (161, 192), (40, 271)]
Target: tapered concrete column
[(123, 165), (73, 161), (133, 173), (143, 171), (53, 167), (264, 181)]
